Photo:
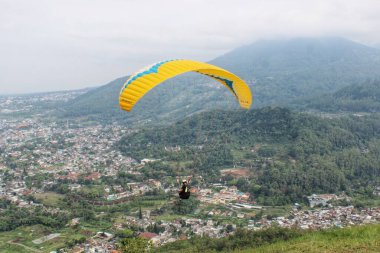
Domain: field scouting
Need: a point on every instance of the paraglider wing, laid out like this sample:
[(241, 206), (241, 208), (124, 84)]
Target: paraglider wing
[(141, 82)]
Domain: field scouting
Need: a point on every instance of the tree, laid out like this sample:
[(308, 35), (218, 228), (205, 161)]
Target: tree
[(135, 245), (126, 233), (140, 213), (185, 206)]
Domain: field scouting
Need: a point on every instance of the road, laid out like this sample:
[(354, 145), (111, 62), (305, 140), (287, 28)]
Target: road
[(24, 246)]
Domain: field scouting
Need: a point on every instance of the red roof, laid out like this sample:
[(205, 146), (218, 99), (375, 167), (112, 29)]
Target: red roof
[(147, 235), (93, 176), (73, 176), (194, 190)]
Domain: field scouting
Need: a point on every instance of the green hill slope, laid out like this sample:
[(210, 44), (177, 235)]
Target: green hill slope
[(277, 71), (354, 98), (171, 101), (290, 155), (361, 239)]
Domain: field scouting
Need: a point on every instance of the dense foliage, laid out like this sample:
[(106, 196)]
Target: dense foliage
[(290, 155), (12, 217), (183, 207), (364, 97), (134, 245)]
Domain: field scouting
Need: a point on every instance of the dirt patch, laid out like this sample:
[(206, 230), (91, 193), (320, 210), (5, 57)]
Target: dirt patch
[(46, 238), (235, 172), (18, 239)]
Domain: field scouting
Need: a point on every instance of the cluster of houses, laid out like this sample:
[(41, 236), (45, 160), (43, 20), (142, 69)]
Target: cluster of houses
[(325, 199), (133, 189), (312, 219), (340, 216), (21, 103), (180, 229), (16, 192), (56, 149), (224, 196), (170, 231), (101, 242)]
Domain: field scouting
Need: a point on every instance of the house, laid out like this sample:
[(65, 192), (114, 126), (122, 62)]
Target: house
[(103, 235), (72, 176), (93, 176), (146, 160), (154, 183), (244, 196), (148, 235), (173, 149), (376, 191), (74, 221), (322, 199)]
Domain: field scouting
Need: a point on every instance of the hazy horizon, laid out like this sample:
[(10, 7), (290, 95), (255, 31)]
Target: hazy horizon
[(50, 46)]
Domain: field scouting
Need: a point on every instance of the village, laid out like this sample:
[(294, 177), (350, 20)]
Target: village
[(37, 156)]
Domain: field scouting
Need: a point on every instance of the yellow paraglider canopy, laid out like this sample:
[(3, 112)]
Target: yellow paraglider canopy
[(141, 82)]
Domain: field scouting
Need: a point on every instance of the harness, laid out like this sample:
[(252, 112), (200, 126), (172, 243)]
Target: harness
[(185, 193)]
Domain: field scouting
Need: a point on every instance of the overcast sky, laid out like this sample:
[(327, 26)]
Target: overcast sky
[(69, 44)]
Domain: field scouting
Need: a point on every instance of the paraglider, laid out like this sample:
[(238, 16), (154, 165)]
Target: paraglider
[(184, 192), (140, 83)]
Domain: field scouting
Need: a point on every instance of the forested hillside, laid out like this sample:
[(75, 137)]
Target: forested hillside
[(363, 97), (290, 154)]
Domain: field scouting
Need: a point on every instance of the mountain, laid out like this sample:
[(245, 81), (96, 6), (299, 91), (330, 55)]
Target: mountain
[(278, 72), (364, 97), (287, 69)]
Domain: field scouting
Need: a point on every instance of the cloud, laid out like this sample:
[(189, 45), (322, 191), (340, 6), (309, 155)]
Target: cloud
[(57, 44)]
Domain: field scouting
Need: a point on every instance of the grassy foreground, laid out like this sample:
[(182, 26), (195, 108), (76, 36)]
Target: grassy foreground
[(354, 239)]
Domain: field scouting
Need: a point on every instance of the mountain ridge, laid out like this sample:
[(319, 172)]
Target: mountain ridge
[(277, 71)]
